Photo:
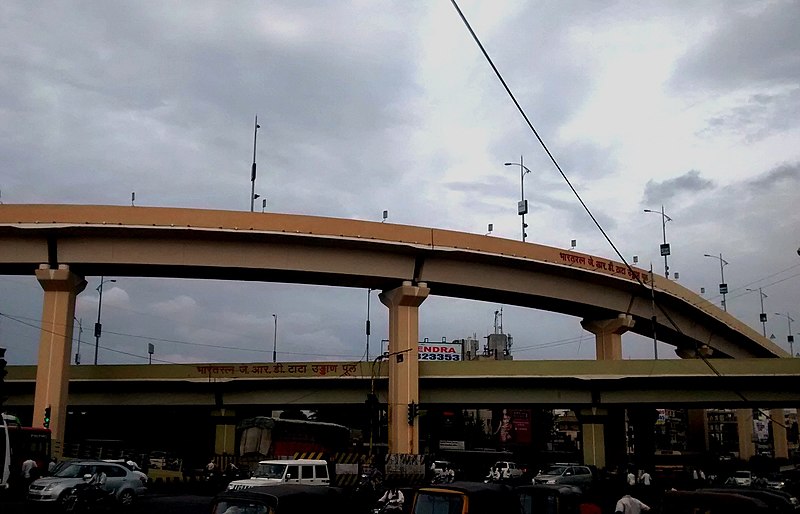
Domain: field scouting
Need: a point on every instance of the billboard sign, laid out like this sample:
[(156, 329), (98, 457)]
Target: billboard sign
[(434, 351)]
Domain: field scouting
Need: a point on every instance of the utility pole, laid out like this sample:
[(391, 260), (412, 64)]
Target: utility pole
[(253, 169)]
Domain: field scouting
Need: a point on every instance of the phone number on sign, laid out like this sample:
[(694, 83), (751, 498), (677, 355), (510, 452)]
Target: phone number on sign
[(439, 357)]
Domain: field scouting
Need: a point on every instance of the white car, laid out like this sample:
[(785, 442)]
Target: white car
[(508, 469), (743, 478), (290, 471)]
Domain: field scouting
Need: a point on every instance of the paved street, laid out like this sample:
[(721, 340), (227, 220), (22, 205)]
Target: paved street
[(153, 504)]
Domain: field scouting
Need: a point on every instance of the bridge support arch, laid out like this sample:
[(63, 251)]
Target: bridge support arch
[(61, 287), (403, 303)]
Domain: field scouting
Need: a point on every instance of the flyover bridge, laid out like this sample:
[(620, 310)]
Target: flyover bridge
[(672, 383), (62, 244)]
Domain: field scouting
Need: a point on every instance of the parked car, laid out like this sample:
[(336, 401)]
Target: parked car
[(290, 471), (568, 474), (120, 480), (508, 469), (281, 499)]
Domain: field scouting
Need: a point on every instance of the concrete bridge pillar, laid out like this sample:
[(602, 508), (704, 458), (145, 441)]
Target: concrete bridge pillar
[(403, 303), (61, 286), (603, 430), (744, 420), (608, 335), (601, 443), (225, 431), (778, 426)]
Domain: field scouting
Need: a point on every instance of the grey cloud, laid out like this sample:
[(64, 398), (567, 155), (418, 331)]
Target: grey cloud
[(139, 76), (748, 47), (661, 192), (758, 117), (782, 178)]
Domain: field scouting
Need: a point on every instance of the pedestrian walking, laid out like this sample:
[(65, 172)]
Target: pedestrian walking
[(630, 505)]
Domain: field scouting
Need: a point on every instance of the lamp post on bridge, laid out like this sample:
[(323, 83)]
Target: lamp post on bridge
[(275, 340), (723, 287), (665, 246), (522, 206), (763, 315), (98, 327), (253, 195), (790, 336)]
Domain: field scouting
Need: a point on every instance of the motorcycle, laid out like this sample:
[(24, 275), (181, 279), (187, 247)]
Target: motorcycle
[(88, 498), (388, 508), (442, 478)]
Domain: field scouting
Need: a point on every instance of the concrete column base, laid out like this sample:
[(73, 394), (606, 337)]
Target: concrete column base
[(61, 286), (403, 303)]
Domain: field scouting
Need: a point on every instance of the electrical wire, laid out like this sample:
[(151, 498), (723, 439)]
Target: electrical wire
[(575, 192)]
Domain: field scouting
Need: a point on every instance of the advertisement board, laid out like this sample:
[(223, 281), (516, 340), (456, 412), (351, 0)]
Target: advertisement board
[(435, 351)]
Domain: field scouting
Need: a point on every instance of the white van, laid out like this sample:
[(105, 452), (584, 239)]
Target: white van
[(290, 471)]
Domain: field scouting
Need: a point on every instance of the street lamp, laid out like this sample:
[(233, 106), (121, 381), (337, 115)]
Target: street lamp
[(665, 245), (80, 334), (367, 328), (253, 170), (763, 315), (723, 287), (789, 337), (275, 340), (522, 206), (98, 327)]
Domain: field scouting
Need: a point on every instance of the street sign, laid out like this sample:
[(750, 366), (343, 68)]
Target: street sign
[(665, 249)]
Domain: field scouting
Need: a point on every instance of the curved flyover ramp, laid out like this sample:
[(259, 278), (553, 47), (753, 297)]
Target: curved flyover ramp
[(233, 245)]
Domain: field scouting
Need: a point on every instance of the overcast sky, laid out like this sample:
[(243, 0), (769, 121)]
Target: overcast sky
[(368, 106)]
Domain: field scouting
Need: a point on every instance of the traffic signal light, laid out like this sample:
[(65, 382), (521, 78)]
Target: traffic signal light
[(413, 410), (372, 402), (47, 417)]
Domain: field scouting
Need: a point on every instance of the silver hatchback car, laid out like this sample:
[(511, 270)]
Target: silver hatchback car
[(570, 474), (120, 480)]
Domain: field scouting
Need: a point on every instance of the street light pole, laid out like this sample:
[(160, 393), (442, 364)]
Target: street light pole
[(723, 287), (664, 247), (98, 327), (522, 206), (80, 334), (367, 326), (253, 169), (790, 336), (763, 315), (275, 340)]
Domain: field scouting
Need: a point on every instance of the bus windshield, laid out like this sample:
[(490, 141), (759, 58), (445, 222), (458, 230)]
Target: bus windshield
[(270, 471)]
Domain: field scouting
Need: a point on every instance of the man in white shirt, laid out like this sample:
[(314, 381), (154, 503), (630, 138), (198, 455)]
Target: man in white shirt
[(630, 505), (29, 471)]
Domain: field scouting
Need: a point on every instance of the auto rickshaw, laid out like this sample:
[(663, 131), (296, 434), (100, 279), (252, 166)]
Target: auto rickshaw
[(280, 499), (692, 502), (549, 498), (779, 502), (465, 498)]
